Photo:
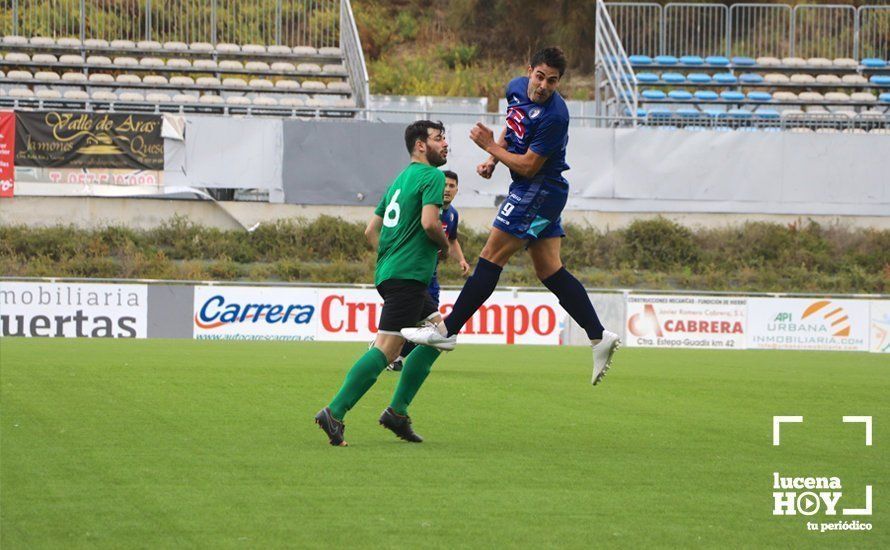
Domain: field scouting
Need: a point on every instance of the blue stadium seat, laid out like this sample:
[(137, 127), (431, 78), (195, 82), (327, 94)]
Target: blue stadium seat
[(873, 63), (641, 113), (884, 98), (647, 78), (688, 113), (743, 61), (666, 60), (693, 60), (715, 113), (740, 114), (731, 95), (673, 78), (767, 114), (660, 112), (706, 95), (725, 78), (653, 94), (750, 78), (680, 95), (760, 96), (880, 80), (717, 60), (640, 60), (699, 78)]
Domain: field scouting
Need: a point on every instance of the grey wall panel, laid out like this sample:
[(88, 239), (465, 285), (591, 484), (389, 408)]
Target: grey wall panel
[(348, 163), (170, 311), (611, 311)]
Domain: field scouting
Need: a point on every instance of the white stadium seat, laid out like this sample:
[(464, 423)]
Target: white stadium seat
[(253, 48), (103, 95), (182, 81), (78, 95), (292, 102), (71, 59), (95, 43), (46, 58), (234, 82), (101, 78), (179, 63), (158, 97), (334, 69), (21, 93), (68, 42), (776, 78), (339, 87), (42, 41), (211, 99), (19, 75), (265, 101), (330, 51), (304, 50), (287, 85), (854, 79), (230, 65), (154, 80), (15, 40), (132, 97), (280, 50), (151, 62), (207, 81), (256, 66), (185, 98), (148, 45), (99, 60), (48, 94), (347, 103), (312, 85), (784, 96), (261, 83), (803, 78), (123, 45), (201, 47), (312, 68), (225, 47), (283, 67), (126, 62), (793, 62), (867, 97), (128, 79), (845, 62), (836, 96), (813, 97), (828, 79), (819, 62), (176, 46), (204, 64), (47, 76), (18, 57), (237, 100)]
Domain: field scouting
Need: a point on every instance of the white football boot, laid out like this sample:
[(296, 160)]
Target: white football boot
[(430, 335), (603, 350)]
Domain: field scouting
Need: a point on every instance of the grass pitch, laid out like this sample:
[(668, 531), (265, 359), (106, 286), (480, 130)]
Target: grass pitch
[(210, 444)]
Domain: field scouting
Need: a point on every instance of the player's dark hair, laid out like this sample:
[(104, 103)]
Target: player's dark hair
[(450, 175), (552, 57), (420, 130)]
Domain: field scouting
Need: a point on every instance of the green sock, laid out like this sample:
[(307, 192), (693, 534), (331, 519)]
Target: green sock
[(414, 371), (359, 380)]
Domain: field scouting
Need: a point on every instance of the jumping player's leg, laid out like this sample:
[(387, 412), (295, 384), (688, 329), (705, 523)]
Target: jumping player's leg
[(498, 249), (572, 296)]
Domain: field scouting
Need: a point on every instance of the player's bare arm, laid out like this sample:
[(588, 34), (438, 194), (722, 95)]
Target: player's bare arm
[(430, 221), (486, 169), (457, 254), (526, 165), (372, 231)]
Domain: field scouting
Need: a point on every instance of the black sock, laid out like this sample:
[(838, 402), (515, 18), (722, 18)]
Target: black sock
[(406, 349), (476, 290), (573, 298)]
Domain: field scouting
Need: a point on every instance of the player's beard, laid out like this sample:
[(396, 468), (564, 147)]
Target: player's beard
[(434, 158)]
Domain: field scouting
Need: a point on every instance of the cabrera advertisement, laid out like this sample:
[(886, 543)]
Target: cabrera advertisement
[(704, 322), (73, 310)]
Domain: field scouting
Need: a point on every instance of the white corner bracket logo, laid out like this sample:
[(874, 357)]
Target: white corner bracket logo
[(811, 495)]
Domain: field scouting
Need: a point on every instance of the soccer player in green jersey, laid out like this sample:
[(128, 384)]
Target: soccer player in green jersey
[(408, 233)]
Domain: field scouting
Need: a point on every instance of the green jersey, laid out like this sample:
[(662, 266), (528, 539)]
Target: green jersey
[(405, 251)]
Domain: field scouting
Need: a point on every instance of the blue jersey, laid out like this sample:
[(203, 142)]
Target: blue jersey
[(542, 128), (449, 225)]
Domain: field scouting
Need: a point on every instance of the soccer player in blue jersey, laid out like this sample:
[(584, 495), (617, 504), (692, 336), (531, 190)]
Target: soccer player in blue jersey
[(533, 148), (449, 224)]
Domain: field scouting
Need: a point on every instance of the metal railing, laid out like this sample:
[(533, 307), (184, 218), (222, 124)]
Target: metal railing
[(351, 47), (775, 30), (613, 65), (313, 23)]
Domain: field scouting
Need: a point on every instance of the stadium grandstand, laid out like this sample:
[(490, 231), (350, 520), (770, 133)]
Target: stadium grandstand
[(823, 68), (258, 57)]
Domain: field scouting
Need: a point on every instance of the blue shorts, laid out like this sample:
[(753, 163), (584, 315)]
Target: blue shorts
[(533, 210), (433, 289)]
